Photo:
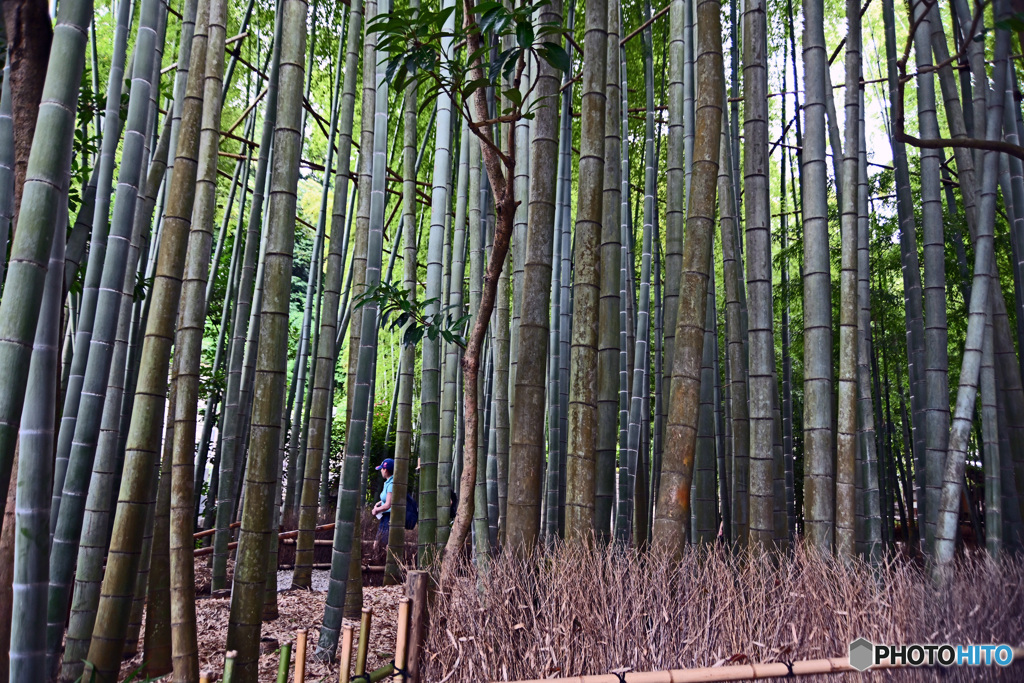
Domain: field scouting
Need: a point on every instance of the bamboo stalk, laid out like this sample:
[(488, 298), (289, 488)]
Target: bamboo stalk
[(364, 640), (300, 655), (346, 653), (401, 639), (282, 663), (229, 666)]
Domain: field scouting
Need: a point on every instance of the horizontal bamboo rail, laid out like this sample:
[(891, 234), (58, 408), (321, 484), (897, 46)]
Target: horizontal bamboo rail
[(741, 672), (201, 552)]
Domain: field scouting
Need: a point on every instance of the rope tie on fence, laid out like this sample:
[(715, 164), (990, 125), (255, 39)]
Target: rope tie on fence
[(621, 673), (399, 671), (789, 666)]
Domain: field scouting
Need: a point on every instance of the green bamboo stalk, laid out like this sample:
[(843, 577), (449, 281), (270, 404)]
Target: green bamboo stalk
[(143, 435), (760, 328), (249, 585), (608, 314), (112, 125), (321, 397), (88, 568), (935, 341), (582, 415), (705, 525), (819, 471), (82, 476), (28, 660), (676, 181), (188, 354), (232, 452), (949, 502), (454, 304), (642, 346), (407, 354), (677, 467), (873, 474), (431, 379), (349, 508), (736, 357), (846, 436)]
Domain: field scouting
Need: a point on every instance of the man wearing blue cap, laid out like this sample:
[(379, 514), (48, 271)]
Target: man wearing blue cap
[(382, 510)]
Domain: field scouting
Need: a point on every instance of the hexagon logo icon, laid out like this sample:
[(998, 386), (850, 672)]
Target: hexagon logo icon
[(861, 654)]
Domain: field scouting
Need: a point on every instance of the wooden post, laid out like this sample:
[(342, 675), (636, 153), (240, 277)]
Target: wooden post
[(402, 639), (283, 661), (300, 656), (346, 653), (417, 587)]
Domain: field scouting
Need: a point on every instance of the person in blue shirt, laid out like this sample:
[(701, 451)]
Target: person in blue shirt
[(382, 510)]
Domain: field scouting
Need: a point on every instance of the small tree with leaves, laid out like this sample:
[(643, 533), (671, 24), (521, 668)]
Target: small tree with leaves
[(413, 41)]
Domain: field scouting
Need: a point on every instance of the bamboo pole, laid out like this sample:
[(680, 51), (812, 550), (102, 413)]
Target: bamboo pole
[(743, 672), (364, 640), (300, 655), (229, 666), (283, 661), (346, 653), (402, 639)]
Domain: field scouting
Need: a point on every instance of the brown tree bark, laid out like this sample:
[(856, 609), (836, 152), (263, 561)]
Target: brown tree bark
[(29, 34)]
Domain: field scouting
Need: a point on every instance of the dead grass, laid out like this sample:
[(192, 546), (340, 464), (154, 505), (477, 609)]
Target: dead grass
[(573, 611)]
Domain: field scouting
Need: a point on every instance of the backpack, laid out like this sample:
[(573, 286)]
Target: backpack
[(412, 512)]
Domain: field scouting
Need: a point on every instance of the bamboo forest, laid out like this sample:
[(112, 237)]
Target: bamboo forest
[(508, 340)]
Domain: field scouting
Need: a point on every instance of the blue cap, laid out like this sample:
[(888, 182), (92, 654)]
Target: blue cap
[(388, 465)]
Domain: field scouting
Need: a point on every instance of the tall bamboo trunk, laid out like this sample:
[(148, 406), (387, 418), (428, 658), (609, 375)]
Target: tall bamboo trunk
[(232, 452), (327, 351), (819, 470), (935, 331), (948, 513), (430, 419), (759, 272), (144, 432), (346, 539), (673, 511), (582, 415), (263, 470), (188, 353), (846, 436)]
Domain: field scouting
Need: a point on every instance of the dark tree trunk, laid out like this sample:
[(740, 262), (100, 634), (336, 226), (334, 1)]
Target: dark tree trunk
[(29, 34)]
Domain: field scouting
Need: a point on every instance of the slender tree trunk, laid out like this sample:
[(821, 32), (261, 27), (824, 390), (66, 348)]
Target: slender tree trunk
[(29, 36)]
